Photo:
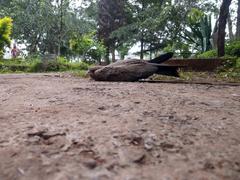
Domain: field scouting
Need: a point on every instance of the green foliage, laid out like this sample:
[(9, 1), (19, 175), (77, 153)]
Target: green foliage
[(36, 65), (44, 25), (208, 54), (123, 49), (72, 65), (5, 32), (231, 61), (195, 16), (230, 68), (60, 65), (81, 44), (15, 65), (233, 48), (88, 47), (232, 73), (238, 63), (201, 30), (81, 73), (51, 66)]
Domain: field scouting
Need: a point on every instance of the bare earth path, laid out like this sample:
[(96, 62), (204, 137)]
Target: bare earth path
[(57, 127)]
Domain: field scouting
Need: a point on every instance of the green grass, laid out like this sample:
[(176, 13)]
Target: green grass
[(228, 75), (81, 73), (33, 65)]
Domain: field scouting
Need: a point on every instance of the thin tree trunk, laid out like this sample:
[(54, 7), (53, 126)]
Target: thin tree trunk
[(215, 35), (150, 51), (224, 11), (238, 21), (113, 54), (229, 20), (107, 61), (60, 29), (33, 46), (142, 38), (110, 18), (142, 43)]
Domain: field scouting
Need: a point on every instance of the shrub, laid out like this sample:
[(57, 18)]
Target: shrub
[(238, 63), (15, 65), (51, 66), (82, 66), (5, 32), (233, 48), (60, 65), (208, 54), (36, 65)]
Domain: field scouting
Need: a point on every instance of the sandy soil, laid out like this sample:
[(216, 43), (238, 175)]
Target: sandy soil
[(57, 127)]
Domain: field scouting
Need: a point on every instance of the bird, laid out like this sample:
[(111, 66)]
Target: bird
[(133, 69)]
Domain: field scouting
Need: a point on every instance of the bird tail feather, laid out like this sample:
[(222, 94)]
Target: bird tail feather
[(162, 58)]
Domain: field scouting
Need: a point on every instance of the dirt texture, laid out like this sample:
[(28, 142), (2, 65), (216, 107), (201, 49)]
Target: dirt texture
[(58, 127)]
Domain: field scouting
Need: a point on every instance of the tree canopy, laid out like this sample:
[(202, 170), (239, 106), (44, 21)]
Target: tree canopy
[(70, 28), (5, 32)]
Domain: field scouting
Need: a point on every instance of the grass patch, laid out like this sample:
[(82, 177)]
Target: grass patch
[(36, 65), (211, 76), (81, 73), (230, 75)]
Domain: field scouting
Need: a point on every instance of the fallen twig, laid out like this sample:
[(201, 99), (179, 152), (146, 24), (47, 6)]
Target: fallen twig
[(190, 82)]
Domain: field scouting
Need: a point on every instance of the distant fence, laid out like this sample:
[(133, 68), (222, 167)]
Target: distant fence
[(48, 57), (209, 64), (193, 64)]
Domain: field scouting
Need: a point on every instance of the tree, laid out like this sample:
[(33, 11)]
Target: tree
[(88, 47), (238, 21), (110, 18), (200, 30), (230, 27), (142, 24), (149, 21), (45, 26), (156, 25), (35, 24), (123, 49), (224, 12), (5, 32)]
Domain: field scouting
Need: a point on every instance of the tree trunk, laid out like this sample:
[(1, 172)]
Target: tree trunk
[(60, 29), (142, 43), (231, 35), (107, 61), (113, 54), (215, 35), (224, 11), (150, 52), (33, 46), (122, 56), (111, 16), (238, 21), (142, 35)]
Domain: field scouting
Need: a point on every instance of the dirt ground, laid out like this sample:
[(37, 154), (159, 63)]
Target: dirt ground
[(58, 127)]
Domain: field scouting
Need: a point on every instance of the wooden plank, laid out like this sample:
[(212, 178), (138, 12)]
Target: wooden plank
[(196, 64)]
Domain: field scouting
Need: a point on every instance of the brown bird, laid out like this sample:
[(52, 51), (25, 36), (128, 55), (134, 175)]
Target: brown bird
[(133, 70)]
